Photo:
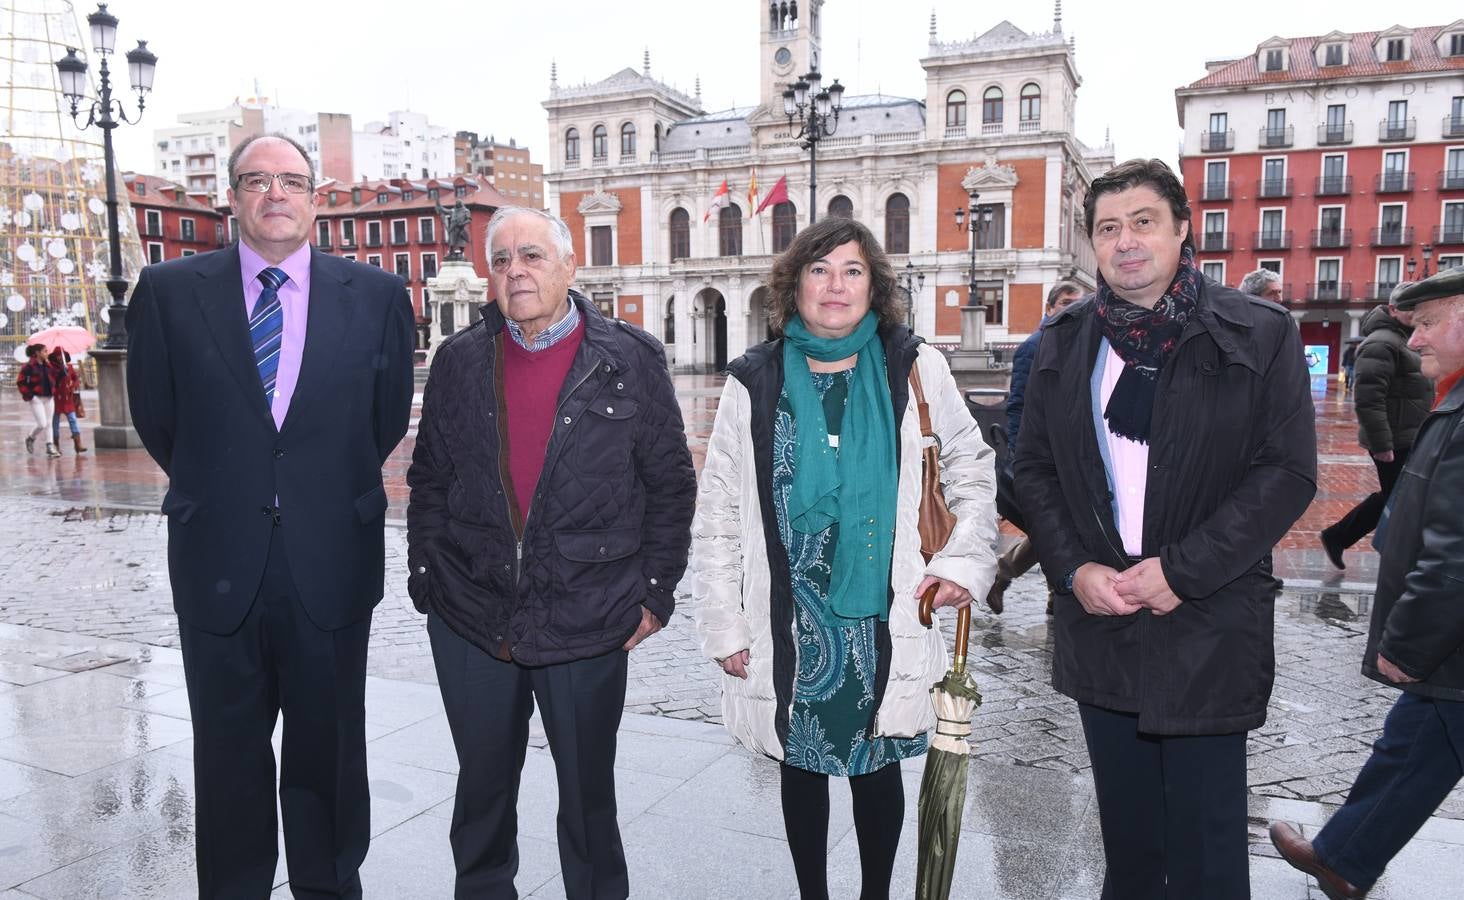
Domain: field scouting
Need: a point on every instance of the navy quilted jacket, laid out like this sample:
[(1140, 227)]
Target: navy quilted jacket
[(609, 525)]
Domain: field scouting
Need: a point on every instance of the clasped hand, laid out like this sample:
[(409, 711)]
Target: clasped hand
[(1105, 591)]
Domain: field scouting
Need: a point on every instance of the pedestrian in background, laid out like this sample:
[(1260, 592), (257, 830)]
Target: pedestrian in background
[(1022, 556), (1415, 642), (68, 400), (270, 381), (37, 384), (1392, 397), (1167, 444), (806, 568), (1263, 283), (1349, 365), (547, 529)]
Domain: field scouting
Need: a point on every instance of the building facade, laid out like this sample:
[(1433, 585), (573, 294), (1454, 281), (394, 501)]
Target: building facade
[(170, 222), (395, 224), (1336, 161), (508, 167), (406, 145), (635, 165)]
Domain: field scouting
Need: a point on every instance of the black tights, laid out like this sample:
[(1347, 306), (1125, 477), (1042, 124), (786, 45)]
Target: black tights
[(879, 814)]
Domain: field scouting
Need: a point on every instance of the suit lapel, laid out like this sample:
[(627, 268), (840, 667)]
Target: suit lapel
[(328, 321), (220, 294)]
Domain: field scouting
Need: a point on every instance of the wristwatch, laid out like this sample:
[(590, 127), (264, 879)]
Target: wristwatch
[(1067, 582)]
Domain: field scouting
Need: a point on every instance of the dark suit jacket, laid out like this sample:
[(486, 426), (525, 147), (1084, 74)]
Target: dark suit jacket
[(199, 407)]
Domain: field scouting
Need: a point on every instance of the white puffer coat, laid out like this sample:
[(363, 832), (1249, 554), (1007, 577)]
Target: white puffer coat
[(729, 572)]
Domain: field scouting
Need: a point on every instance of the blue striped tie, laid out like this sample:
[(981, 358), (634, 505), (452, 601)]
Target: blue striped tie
[(267, 328)]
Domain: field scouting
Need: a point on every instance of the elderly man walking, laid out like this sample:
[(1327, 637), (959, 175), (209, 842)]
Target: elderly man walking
[(1416, 641), (550, 517), (1392, 396), (1167, 444)]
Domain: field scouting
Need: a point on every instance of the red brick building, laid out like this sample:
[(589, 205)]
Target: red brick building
[(1336, 161), (170, 223), (394, 224)]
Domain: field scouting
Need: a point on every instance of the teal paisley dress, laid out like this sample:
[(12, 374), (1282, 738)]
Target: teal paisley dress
[(833, 694)]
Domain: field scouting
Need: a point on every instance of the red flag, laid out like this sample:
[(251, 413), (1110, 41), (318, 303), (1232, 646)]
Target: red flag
[(779, 194), (720, 199)]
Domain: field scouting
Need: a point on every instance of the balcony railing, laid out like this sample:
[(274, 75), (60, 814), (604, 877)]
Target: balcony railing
[(1334, 134), (1451, 180), (1396, 236), (1393, 182), (1453, 126), (1217, 190), (348, 243), (1217, 241), (1448, 234), (1029, 126), (1217, 141), (1271, 240), (1277, 137), (1397, 129), (323, 242), (188, 237), (955, 131), (1333, 185), (991, 128), (1329, 290), (373, 241), (398, 238), (1380, 290), (1274, 187), (151, 229), (1327, 238)]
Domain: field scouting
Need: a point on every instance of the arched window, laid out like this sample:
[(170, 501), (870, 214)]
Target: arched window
[(991, 106), (842, 207), (785, 225), (600, 142), (658, 137), (627, 139), (680, 234), (773, 22), (668, 325), (571, 145), (897, 224), (956, 109), (1030, 108), (729, 230)]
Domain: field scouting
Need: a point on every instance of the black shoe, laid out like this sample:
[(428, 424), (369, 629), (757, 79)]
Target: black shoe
[(996, 597), (1333, 548)]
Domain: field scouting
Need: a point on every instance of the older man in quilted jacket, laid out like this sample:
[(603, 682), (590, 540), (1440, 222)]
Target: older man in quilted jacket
[(551, 501)]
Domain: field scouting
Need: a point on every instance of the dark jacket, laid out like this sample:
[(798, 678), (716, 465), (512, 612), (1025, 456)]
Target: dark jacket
[(37, 378), (1418, 609), (1232, 463), (1391, 393), (760, 369), (1017, 392), (609, 524), (200, 410)]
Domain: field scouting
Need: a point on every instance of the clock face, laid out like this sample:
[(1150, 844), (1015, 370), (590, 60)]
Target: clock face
[(782, 57)]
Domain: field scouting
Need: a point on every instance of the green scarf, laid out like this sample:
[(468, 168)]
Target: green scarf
[(856, 487)]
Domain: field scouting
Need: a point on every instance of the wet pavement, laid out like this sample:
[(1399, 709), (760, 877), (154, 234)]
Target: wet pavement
[(95, 779)]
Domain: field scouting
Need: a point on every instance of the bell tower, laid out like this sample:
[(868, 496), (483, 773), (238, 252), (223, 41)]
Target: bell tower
[(790, 46)]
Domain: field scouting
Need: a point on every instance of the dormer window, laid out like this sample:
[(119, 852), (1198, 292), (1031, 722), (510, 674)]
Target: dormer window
[(1274, 61), (1395, 50), (1456, 44), (1332, 55)]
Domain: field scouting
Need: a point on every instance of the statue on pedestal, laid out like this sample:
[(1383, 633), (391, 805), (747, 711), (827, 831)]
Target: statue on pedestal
[(455, 227)]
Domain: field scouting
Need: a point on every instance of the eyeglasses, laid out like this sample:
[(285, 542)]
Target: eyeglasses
[(259, 182)]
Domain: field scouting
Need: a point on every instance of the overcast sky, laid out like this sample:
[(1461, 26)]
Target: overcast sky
[(485, 66)]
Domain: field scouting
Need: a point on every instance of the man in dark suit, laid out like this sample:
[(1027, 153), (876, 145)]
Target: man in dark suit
[(270, 382)]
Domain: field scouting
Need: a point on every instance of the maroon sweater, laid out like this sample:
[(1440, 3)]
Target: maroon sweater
[(531, 384)]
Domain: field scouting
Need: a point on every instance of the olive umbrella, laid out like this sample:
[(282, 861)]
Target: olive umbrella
[(943, 787)]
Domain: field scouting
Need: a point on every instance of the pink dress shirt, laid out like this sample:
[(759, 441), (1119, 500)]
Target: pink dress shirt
[(1130, 461), (295, 304)]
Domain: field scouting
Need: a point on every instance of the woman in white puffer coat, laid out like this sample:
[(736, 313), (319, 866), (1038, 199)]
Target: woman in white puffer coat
[(805, 564)]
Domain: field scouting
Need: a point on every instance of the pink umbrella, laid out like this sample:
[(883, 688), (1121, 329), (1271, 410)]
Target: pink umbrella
[(72, 338)]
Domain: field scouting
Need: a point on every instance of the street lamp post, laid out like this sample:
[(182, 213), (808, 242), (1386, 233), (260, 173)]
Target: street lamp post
[(817, 111), (975, 220), (107, 113), (1427, 253), (913, 281)]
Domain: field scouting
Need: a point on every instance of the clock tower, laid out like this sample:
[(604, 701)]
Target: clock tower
[(790, 46)]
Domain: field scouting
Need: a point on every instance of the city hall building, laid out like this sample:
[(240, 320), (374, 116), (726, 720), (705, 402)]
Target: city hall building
[(635, 166)]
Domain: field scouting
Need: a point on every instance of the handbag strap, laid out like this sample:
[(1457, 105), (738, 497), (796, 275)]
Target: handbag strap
[(920, 404)]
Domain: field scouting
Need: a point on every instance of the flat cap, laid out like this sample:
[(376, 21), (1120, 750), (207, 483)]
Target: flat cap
[(1448, 283)]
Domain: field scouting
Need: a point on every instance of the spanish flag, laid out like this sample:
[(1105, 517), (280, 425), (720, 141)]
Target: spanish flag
[(720, 199), (752, 193)]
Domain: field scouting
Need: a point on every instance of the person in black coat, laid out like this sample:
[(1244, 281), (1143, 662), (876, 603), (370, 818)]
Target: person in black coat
[(270, 382), (1416, 640), (552, 493), (1154, 507)]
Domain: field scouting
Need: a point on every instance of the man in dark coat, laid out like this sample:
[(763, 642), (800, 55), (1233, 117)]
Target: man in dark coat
[(1392, 396), (1154, 506), (270, 382), (1022, 555), (550, 517), (1416, 640)]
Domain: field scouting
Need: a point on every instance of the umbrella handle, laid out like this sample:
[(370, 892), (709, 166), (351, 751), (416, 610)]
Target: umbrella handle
[(963, 626)]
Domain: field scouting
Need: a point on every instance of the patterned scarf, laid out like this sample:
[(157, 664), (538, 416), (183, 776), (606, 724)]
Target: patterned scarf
[(1143, 339)]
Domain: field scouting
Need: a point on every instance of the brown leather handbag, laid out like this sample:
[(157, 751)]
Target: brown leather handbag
[(936, 519)]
